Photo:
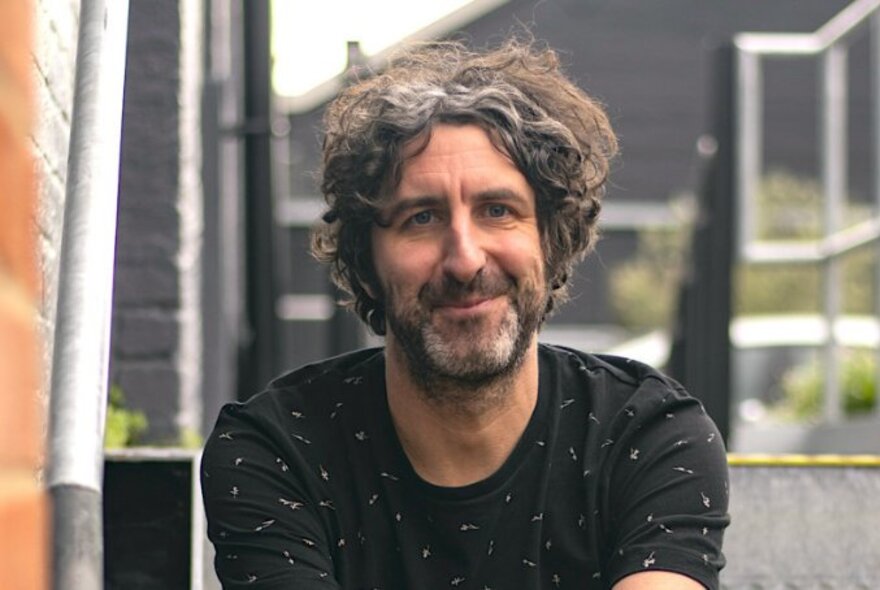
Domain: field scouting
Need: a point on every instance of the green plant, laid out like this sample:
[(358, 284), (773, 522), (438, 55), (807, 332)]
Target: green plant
[(123, 427), (645, 288), (769, 289), (190, 439), (789, 207), (802, 388)]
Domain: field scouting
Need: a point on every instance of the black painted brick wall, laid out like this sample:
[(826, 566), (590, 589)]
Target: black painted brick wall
[(146, 297)]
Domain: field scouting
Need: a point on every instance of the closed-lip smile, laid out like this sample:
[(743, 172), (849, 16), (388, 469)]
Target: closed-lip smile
[(464, 303), (464, 307)]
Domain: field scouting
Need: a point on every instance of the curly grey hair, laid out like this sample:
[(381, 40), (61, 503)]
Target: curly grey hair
[(558, 137)]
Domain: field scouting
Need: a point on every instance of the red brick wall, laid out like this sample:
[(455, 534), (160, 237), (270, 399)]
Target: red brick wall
[(23, 518)]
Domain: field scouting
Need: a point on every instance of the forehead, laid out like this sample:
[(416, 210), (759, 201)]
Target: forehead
[(456, 153), (449, 138)]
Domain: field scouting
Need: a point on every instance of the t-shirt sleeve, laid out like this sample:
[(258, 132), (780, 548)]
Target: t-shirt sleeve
[(261, 501), (667, 491)]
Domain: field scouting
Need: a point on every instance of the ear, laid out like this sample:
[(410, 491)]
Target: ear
[(362, 270)]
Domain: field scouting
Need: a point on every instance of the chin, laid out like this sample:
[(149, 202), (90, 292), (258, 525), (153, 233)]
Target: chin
[(474, 353)]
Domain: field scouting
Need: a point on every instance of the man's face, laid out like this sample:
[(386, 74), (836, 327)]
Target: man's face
[(458, 257)]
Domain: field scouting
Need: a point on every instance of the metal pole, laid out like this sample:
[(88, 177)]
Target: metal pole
[(749, 153), (262, 356), (834, 80), (82, 334), (875, 106)]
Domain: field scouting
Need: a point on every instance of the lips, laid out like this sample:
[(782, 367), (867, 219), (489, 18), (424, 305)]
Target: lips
[(463, 303), (470, 309)]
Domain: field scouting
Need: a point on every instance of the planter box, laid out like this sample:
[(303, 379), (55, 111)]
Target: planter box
[(154, 524)]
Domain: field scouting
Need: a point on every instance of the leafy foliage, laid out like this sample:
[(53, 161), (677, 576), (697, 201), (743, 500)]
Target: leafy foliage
[(123, 426), (190, 439), (803, 387), (645, 289)]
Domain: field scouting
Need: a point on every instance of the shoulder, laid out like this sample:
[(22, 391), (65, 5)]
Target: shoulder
[(312, 385), (328, 370), (623, 396), (610, 375), (302, 401)]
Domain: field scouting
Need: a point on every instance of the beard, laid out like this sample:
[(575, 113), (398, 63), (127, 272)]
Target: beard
[(459, 355)]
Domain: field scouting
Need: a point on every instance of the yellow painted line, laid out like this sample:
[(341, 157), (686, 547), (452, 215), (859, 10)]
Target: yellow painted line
[(766, 460)]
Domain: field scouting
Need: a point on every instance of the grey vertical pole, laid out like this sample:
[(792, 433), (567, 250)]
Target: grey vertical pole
[(874, 62), (749, 152), (82, 334), (833, 114)]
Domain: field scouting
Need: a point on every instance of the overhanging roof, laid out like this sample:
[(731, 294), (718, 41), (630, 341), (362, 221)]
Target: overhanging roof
[(324, 92)]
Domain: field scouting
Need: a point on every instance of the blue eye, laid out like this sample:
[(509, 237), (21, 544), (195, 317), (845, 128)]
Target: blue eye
[(422, 217), (497, 210)]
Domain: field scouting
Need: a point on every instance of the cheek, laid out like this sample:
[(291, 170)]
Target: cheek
[(400, 262), (523, 257), (403, 276)]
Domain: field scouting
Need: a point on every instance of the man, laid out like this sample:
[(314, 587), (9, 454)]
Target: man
[(462, 188)]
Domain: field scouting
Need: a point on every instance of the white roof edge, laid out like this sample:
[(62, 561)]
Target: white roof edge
[(326, 90)]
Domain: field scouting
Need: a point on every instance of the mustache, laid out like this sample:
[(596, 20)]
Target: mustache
[(450, 291)]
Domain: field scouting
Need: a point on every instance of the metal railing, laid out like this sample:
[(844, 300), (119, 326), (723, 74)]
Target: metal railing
[(829, 45), (77, 407)]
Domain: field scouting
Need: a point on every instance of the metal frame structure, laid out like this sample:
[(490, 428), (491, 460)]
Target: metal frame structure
[(829, 44)]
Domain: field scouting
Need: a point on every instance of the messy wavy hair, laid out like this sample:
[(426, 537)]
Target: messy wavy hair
[(558, 137)]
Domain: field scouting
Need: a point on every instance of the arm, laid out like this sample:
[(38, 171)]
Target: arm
[(667, 494), (657, 581), (258, 495)]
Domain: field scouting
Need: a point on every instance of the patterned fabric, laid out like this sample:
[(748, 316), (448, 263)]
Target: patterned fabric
[(618, 471)]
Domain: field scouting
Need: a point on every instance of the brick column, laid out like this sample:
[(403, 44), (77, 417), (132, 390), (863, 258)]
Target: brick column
[(23, 538)]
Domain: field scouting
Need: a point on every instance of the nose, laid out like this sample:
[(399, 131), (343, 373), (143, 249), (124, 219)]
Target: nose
[(464, 255)]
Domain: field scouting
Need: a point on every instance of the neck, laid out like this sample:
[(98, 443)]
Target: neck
[(459, 433)]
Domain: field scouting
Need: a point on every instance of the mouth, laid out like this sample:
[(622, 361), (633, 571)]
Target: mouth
[(457, 301), (463, 303), (466, 308)]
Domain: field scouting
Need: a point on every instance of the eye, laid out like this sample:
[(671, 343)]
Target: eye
[(497, 210), (422, 217)]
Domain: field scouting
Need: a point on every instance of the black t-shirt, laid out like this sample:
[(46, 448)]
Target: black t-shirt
[(618, 471)]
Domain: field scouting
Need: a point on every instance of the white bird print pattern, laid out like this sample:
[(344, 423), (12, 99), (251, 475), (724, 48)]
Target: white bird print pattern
[(265, 524), (292, 504)]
